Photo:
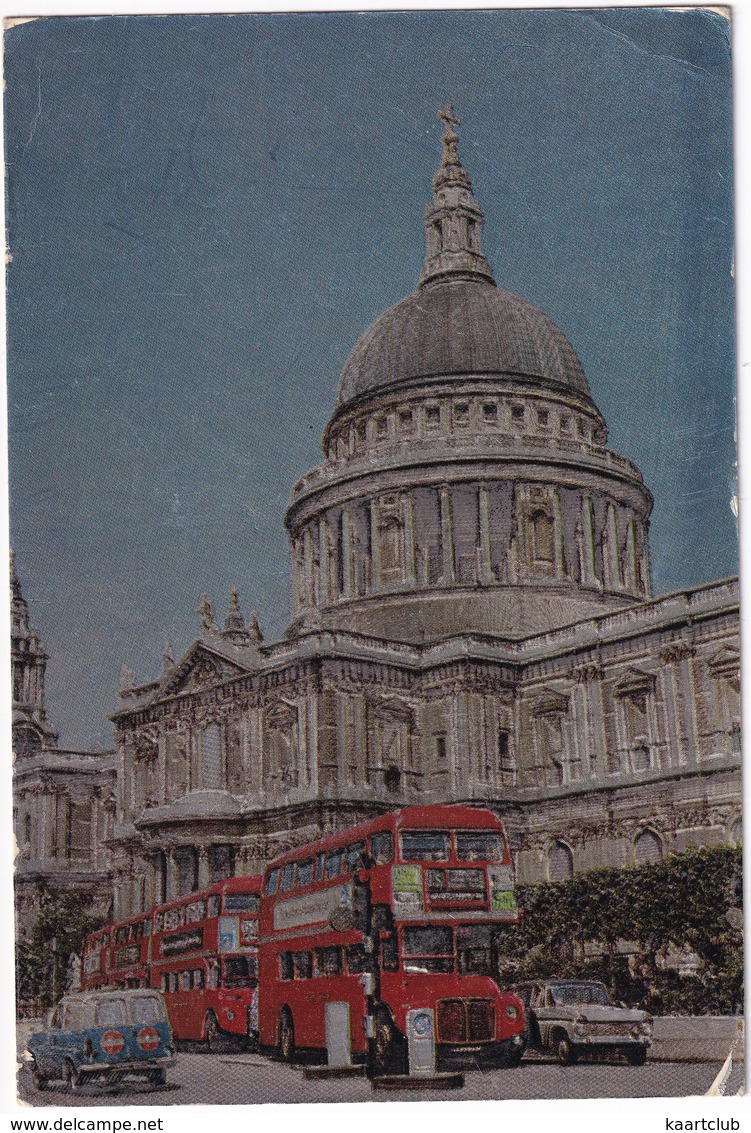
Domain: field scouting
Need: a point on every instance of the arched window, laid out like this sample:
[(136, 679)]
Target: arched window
[(186, 860), (542, 538), (211, 757), (560, 862), (647, 847)]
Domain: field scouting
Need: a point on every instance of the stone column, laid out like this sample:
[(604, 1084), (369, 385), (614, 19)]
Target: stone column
[(589, 731), (375, 548), (589, 571), (324, 562), (410, 572), (679, 685), (204, 872), (558, 539), (447, 539), (172, 874), (610, 551), (483, 511)]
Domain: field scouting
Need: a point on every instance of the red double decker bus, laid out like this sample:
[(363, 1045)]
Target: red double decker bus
[(95, 960), (437, 882), (128, 957), (204, 959)]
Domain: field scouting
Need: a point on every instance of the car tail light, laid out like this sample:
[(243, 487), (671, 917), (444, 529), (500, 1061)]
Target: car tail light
[(452, 1021), (481, 1018)]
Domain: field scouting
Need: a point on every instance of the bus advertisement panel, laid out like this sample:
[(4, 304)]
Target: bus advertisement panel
[(433, 885), (204, 960)]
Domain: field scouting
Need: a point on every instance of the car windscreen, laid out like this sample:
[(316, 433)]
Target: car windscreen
[(579, 993), (146, 1009), (110, 1012)]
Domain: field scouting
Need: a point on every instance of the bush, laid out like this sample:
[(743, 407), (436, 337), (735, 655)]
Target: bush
[(571, 929)]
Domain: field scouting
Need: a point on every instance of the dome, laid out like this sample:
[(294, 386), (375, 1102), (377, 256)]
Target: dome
[(460, 326)]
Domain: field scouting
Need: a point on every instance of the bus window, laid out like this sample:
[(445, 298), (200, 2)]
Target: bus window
[(382, 847), (328, 962), (236, 972), (242, 902), (184, 981), (428, 948), (248, 931), (479, 846), (288, 877), (173, 981), (303, 965), (138, 930), (165, 981), (319, 867), (333, 864), (212, 976), (121, 934), (198, 978), (353, 856), (435, 880), (424, 845), (158, 922), (285, 966), (195, 911), (357, 959), (215, 904), (172, 918), (305, 872), (272, 880), (473, 950), (147, 927)]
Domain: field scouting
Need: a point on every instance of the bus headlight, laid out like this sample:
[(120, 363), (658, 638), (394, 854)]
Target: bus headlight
[(511, 1011)]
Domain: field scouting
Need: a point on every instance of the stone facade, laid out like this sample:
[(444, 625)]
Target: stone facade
[(471, 622), (63, 801)]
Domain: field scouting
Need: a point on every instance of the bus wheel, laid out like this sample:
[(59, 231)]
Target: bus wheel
[(387, 1048), (210, 1031), (286, 1036)]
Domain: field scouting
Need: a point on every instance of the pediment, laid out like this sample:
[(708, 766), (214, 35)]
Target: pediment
[(200, 668), (550, 702), (725, 663), (634, 681)]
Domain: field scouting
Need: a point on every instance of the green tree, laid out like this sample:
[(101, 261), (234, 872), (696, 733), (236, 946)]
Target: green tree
[(64, 920)]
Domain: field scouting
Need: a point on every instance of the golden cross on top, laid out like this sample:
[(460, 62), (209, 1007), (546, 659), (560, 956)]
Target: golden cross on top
[(447, 115)]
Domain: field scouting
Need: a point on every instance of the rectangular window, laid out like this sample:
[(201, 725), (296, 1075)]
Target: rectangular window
[(461, 413), (382, 847), (272, 881), (110, 1012), (241, 903), (382, 427), (333, 864), (195, 911), (542, 416), (285, 966), (517, 412), (184, 981), (328, 962), (424, 845), (440, 749), (215, 904), (288, 877), (302, 965), (357, 959), (305, 872), (406, 422), (490, 412), (428, 948), (353, 856), (565, 423), (361, 432), (479, 847), (198, 978), (432, 416)]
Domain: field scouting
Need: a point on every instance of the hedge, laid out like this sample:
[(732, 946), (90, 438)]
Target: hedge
[(579, 928)]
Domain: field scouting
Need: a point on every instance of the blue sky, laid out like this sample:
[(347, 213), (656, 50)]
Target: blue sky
[(205, 213)]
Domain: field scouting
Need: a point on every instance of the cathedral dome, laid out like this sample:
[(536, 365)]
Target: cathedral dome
[(453, 326)]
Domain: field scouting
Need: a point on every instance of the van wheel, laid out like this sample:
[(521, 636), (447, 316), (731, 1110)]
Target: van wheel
[(71, 1077), (210, 1031), (39, 1081), (286, 1032), (564, 1050)]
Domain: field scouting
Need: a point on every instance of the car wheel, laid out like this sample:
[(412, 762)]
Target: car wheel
[(286, 1045), (564, 1050), (39, 1081), (210, 1031), (71, 1077), (636, 1055)]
